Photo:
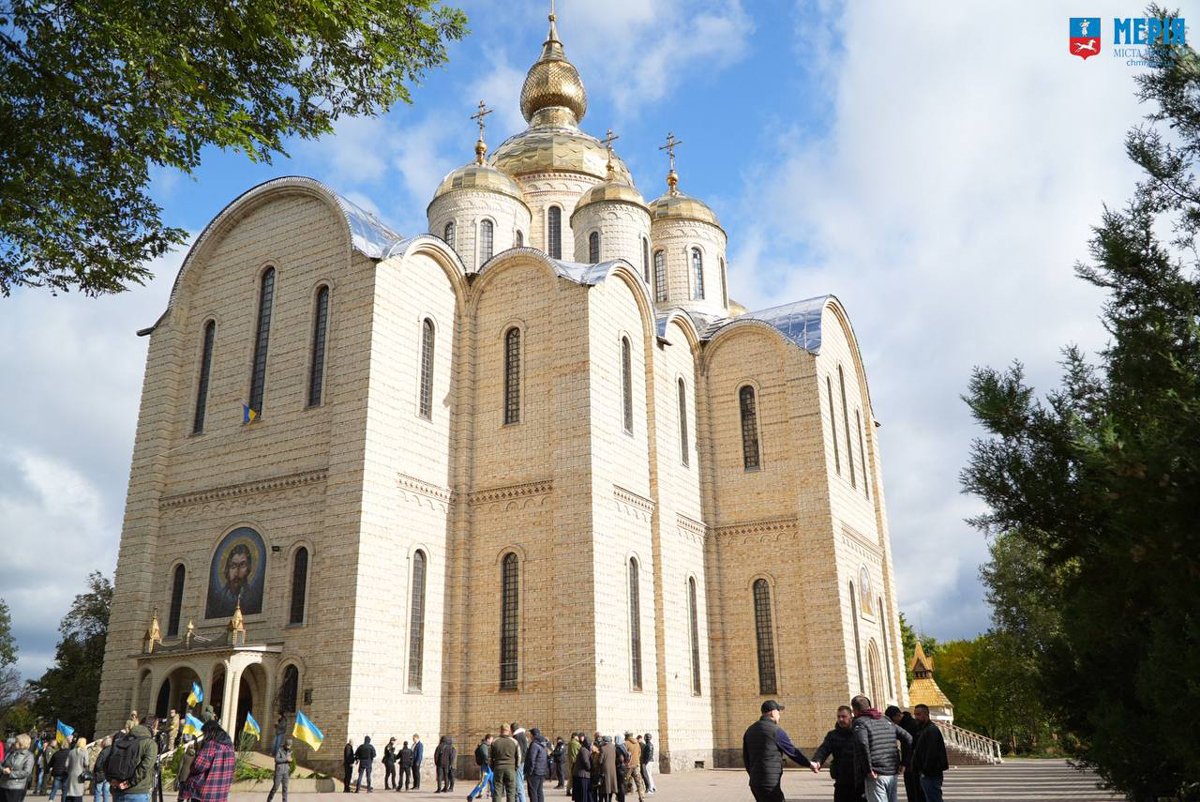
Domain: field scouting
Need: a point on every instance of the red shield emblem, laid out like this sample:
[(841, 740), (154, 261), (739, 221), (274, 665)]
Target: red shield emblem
[(1084, 39)]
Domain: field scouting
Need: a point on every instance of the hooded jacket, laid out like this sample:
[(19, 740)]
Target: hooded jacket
[(875, 744)]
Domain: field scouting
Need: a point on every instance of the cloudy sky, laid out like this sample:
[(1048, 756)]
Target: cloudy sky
[(937, 165)]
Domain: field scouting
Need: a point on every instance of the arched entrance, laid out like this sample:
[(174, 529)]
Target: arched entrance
[(252, 698), (173, 693)]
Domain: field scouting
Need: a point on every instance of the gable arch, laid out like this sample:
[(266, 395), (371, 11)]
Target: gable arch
[(443, 255), (740, 328)]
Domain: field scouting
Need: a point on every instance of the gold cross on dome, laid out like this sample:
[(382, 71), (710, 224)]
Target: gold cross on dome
[(672, 143), (609, 138), (479, 115), (552, 10)]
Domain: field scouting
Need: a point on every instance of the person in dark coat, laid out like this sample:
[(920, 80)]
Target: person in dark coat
[(444, 758), (537, 765), (930, 760), (418, 747), (365, 757), (557, 756), (876, 759), (608, 770), (348, 765), (904, 720), (581, 772), (389, 765), (839, 745), (406, 763), (763, 747)]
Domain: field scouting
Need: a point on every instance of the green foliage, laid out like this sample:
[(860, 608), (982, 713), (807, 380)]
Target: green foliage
[(12, 693), (96, 94), (70, 689), (1093, 492)]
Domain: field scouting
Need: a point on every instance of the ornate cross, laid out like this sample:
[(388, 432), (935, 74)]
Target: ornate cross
[(609, 138), (672, 143), (479, 115)]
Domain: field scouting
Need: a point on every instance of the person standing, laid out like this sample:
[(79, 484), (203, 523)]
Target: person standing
[(839, 745), (365, 756), (445, 764), (58, 770), (99, 780), (581, 771), (648, 764), (573, 747), (77, 771), (389, 766), (537, 765), (904, 720), (608, 769), (504, 756), (283, 770), (129, 768), (418, 748), (930, 761), (876, 759), (634, 748), (518, 733), (348, 766), (557, 756), (16, 770), (764, 746), (406, 757), (483, 759), (211, 774)]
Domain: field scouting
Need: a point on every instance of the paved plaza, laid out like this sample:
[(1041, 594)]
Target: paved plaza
[(1014, 781)]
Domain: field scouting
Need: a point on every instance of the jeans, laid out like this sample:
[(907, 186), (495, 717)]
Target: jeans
[(389, 775), (416, 774), (100, 791), (121, 796), (280, 783), (882, 788), (521, 795), (486, 781), (367, 770), (932, 786), (60, 784), (648, 767), (764, 793)]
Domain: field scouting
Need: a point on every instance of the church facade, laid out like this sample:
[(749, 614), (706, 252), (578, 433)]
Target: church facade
[(533, 465)]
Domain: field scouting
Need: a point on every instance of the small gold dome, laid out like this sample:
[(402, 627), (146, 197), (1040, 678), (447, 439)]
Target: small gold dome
[(479, 177), (677, 206), (610, 192), (553, 82)]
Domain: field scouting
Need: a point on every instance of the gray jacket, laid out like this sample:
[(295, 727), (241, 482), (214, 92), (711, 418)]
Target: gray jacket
[(20, 763), (77, 763), (875, 745)]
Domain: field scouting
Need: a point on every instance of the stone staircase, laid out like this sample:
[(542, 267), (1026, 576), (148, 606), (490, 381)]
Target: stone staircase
[(966, 748)]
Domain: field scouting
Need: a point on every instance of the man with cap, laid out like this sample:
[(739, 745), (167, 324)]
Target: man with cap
[(763, 747)]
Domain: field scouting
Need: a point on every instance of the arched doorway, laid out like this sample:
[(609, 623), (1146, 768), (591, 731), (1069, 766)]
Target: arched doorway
[(174, 691), (252, 698)]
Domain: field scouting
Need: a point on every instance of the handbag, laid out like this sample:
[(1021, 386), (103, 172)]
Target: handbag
[(85, 776)]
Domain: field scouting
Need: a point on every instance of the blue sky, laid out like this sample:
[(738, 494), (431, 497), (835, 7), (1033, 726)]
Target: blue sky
[(937, 165)]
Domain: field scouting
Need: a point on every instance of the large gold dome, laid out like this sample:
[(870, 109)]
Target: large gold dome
[(556, 148), (479, 177), (553, 82)]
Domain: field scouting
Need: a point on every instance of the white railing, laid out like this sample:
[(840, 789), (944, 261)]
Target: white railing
[(978, 745)]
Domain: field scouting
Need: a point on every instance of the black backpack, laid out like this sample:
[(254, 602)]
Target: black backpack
[(123, 759)]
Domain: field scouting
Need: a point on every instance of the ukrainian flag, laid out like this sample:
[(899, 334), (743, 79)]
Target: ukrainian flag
[(196, 696), (63, 733), (305, 730), (192, 725), (248, 414), (251, 726)]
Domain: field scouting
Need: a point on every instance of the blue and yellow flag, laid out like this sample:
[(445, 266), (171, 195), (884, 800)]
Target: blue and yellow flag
[(196, 696), (248, 414), (305, 730), (251, 726), (192, 725), (63, 733)]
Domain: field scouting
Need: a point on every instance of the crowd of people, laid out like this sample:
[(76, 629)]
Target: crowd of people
[(869, 752)]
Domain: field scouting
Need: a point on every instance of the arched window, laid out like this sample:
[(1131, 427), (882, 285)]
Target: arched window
[(646, 260), (627, 385), (724, 287), (660, 277), (416, 623), (176, 601), (683, 423), (426, 400), (520, 240), (299, 586), (512, 375), (509, 622), (694, 634), (486, 240), (289, 691), (837, 456), (554, 232), (862, 452), (698, 272), (210, 336), (635, 625), (874, 673), (846, 421), (749, 409), (316, 370), (594, 247), (258, 372), (765, 634), (448, 234), (887, 660), (857, 644)]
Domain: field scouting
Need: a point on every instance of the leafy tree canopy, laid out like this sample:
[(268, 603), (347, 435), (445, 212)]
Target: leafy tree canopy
[(97, 93)]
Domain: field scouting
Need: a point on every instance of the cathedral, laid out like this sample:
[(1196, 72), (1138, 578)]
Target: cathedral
[(532, 465)]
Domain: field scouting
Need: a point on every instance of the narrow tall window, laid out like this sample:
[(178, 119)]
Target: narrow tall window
[(857, 644), (316, 371), (694, 634), (627, 385), (873, 672), (646, 260), (448, 234), (176, 601), (698, 272), (594, 247), (724, 287), (299, 586), (635, 625), (512, 376), (846, 421), (258, 373), (487, 233), (660, 277), (289, 692), (210, 335), (749, 410), (520, 241), (426, 401), (862, 453), (766, 637), (416, 623), (554, 232), (837, 456), (887, 660), (508, 622), (683, 423)]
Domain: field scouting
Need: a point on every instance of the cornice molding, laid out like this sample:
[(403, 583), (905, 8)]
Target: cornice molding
[(227, 492)]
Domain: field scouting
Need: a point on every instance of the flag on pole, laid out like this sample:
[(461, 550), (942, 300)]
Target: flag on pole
[(305, 730), (248, 414), (192, 725), (251, 726), (196, 696), (63, 733)]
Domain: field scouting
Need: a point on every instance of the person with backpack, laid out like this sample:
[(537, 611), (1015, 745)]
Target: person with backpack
[(211, 774), (100, 791), (130, 765), (58, 770), (483, 759)]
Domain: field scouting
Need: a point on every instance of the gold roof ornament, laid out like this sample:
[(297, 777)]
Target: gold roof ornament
[(479, 175), (480, 145), (675, 205), (613, 189), (153, 633), (553, 83)]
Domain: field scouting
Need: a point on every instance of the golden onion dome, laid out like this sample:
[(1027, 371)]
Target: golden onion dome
[(736, 309), (610, 192), (553, 82), (551, 148), (479, 177), (677, 206)]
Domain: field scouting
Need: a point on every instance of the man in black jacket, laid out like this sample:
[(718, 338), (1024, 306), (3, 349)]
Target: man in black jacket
[(876, 758), (839, 744), (763, 747), (348, 765), (930, 760), (365, 756), (905, 721)]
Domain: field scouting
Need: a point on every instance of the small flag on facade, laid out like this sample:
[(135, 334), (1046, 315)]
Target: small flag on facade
[(196, 696), (248, 415), (63, 733), (251, 726), (305, 730)]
